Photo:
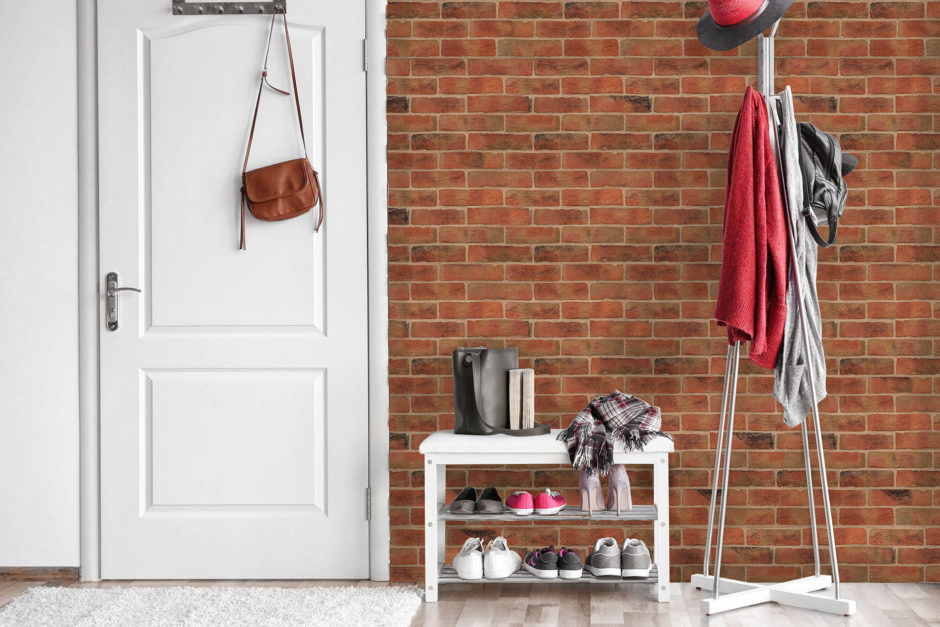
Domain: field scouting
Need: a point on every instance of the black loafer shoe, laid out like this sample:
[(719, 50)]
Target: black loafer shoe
[(465, 502), (489, 502)]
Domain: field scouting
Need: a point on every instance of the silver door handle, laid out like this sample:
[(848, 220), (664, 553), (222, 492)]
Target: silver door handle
[(111, 302)]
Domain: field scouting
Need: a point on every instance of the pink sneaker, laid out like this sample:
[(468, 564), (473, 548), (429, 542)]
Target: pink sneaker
[(520, 503), (549, 502)]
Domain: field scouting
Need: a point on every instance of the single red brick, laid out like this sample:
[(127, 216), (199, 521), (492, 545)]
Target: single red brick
[(838, 48), (529, 48), (468, 48), (657, 48), (887, 10), (398, 9), (471, 10), (470, 85), (471, 310), (501, 28), (532, 235), (498, 141), (484, 328), (499, 67), (499, 291), (592, 48), (531, 123), (528, 86)]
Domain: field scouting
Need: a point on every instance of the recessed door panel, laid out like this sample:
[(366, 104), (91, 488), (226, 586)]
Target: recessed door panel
[(198, 276), (222, 439)]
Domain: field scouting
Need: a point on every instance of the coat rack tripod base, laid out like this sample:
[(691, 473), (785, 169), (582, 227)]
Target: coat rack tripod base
[(731, 594), (795, 593)]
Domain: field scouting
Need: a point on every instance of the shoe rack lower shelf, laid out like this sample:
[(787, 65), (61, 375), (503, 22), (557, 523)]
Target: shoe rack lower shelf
[(570, 512), (449, 575)]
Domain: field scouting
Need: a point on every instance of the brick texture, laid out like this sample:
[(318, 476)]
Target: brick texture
[(557, 176)]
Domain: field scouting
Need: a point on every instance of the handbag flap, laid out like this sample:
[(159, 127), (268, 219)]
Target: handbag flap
[(277, 181)]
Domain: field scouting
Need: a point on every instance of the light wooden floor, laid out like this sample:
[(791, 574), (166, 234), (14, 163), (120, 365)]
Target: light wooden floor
[(879, 605)]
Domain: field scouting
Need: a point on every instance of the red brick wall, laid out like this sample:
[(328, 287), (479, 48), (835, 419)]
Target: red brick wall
[(557, 178)]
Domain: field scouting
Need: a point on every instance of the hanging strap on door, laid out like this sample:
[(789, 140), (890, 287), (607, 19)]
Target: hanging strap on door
[(264, 81), (300, 120)]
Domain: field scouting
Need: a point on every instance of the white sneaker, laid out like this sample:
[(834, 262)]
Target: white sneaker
[(469, 562), (499, 561)]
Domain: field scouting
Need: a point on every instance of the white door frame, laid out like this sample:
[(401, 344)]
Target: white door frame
[(89, 277)]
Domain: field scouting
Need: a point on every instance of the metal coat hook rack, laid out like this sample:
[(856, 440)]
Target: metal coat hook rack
[(181, 7), (729, 594)]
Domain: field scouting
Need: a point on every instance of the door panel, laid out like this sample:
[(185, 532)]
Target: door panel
[(192, 199), (271, 421), (234, 433)]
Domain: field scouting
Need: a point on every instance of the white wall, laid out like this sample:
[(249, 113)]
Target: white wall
[(39, 484)]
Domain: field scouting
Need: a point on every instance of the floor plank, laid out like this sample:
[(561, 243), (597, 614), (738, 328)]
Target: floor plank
[(10, 589)]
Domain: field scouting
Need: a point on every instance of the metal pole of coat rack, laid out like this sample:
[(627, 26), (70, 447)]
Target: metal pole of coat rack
[(729, 594)]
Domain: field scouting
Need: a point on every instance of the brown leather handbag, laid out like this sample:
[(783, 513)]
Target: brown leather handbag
[(287, 189)]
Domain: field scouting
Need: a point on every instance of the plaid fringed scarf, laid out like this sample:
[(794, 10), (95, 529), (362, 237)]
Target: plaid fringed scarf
[(607, 420)]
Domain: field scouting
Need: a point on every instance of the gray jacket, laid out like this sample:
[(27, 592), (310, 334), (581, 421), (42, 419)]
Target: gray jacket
[(791, 385)]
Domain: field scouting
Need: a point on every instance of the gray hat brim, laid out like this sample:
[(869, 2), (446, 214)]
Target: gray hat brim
[(723, 38)]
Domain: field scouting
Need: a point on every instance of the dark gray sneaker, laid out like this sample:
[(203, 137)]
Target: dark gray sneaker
[(543, 563), (465, 502), (604, 560), (570, 565), (489, 502), (635, 560)]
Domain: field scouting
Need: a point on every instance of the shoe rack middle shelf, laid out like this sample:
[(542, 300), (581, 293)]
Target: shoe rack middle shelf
[(570, 512)]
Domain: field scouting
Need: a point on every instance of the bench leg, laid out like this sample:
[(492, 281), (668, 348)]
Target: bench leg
[(440, 524), (432, 548), (661, 530)]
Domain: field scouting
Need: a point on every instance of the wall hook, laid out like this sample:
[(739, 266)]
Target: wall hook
[(181, 7)]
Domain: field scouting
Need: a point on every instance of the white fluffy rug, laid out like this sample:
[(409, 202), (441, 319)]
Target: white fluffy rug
[(126, 607)]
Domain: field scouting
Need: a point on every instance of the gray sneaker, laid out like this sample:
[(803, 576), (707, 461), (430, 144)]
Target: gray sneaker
[(635, 559), (604, 560)]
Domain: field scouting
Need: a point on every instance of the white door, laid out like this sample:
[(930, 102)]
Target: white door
[(234, 390)]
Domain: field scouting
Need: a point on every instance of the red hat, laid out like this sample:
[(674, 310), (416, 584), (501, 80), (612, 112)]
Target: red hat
[(729, 23)]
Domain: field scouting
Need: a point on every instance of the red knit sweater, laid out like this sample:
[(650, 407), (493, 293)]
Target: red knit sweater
[(753, 287)]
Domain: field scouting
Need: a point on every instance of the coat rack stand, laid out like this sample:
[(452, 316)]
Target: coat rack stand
[(730, 594)]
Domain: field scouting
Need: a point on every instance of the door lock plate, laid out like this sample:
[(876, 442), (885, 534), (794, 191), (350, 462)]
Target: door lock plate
[(112, 289)]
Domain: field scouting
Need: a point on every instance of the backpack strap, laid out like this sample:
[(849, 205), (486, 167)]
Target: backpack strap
[(811, 226)]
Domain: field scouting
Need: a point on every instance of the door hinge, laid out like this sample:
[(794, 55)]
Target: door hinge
[(365, 55), (368, 503)]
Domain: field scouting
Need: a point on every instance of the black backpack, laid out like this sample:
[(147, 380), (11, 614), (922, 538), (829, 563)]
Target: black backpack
[(824, 191)]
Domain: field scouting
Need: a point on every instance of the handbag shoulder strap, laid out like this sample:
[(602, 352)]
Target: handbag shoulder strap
[(264, 81), (477, 368)]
